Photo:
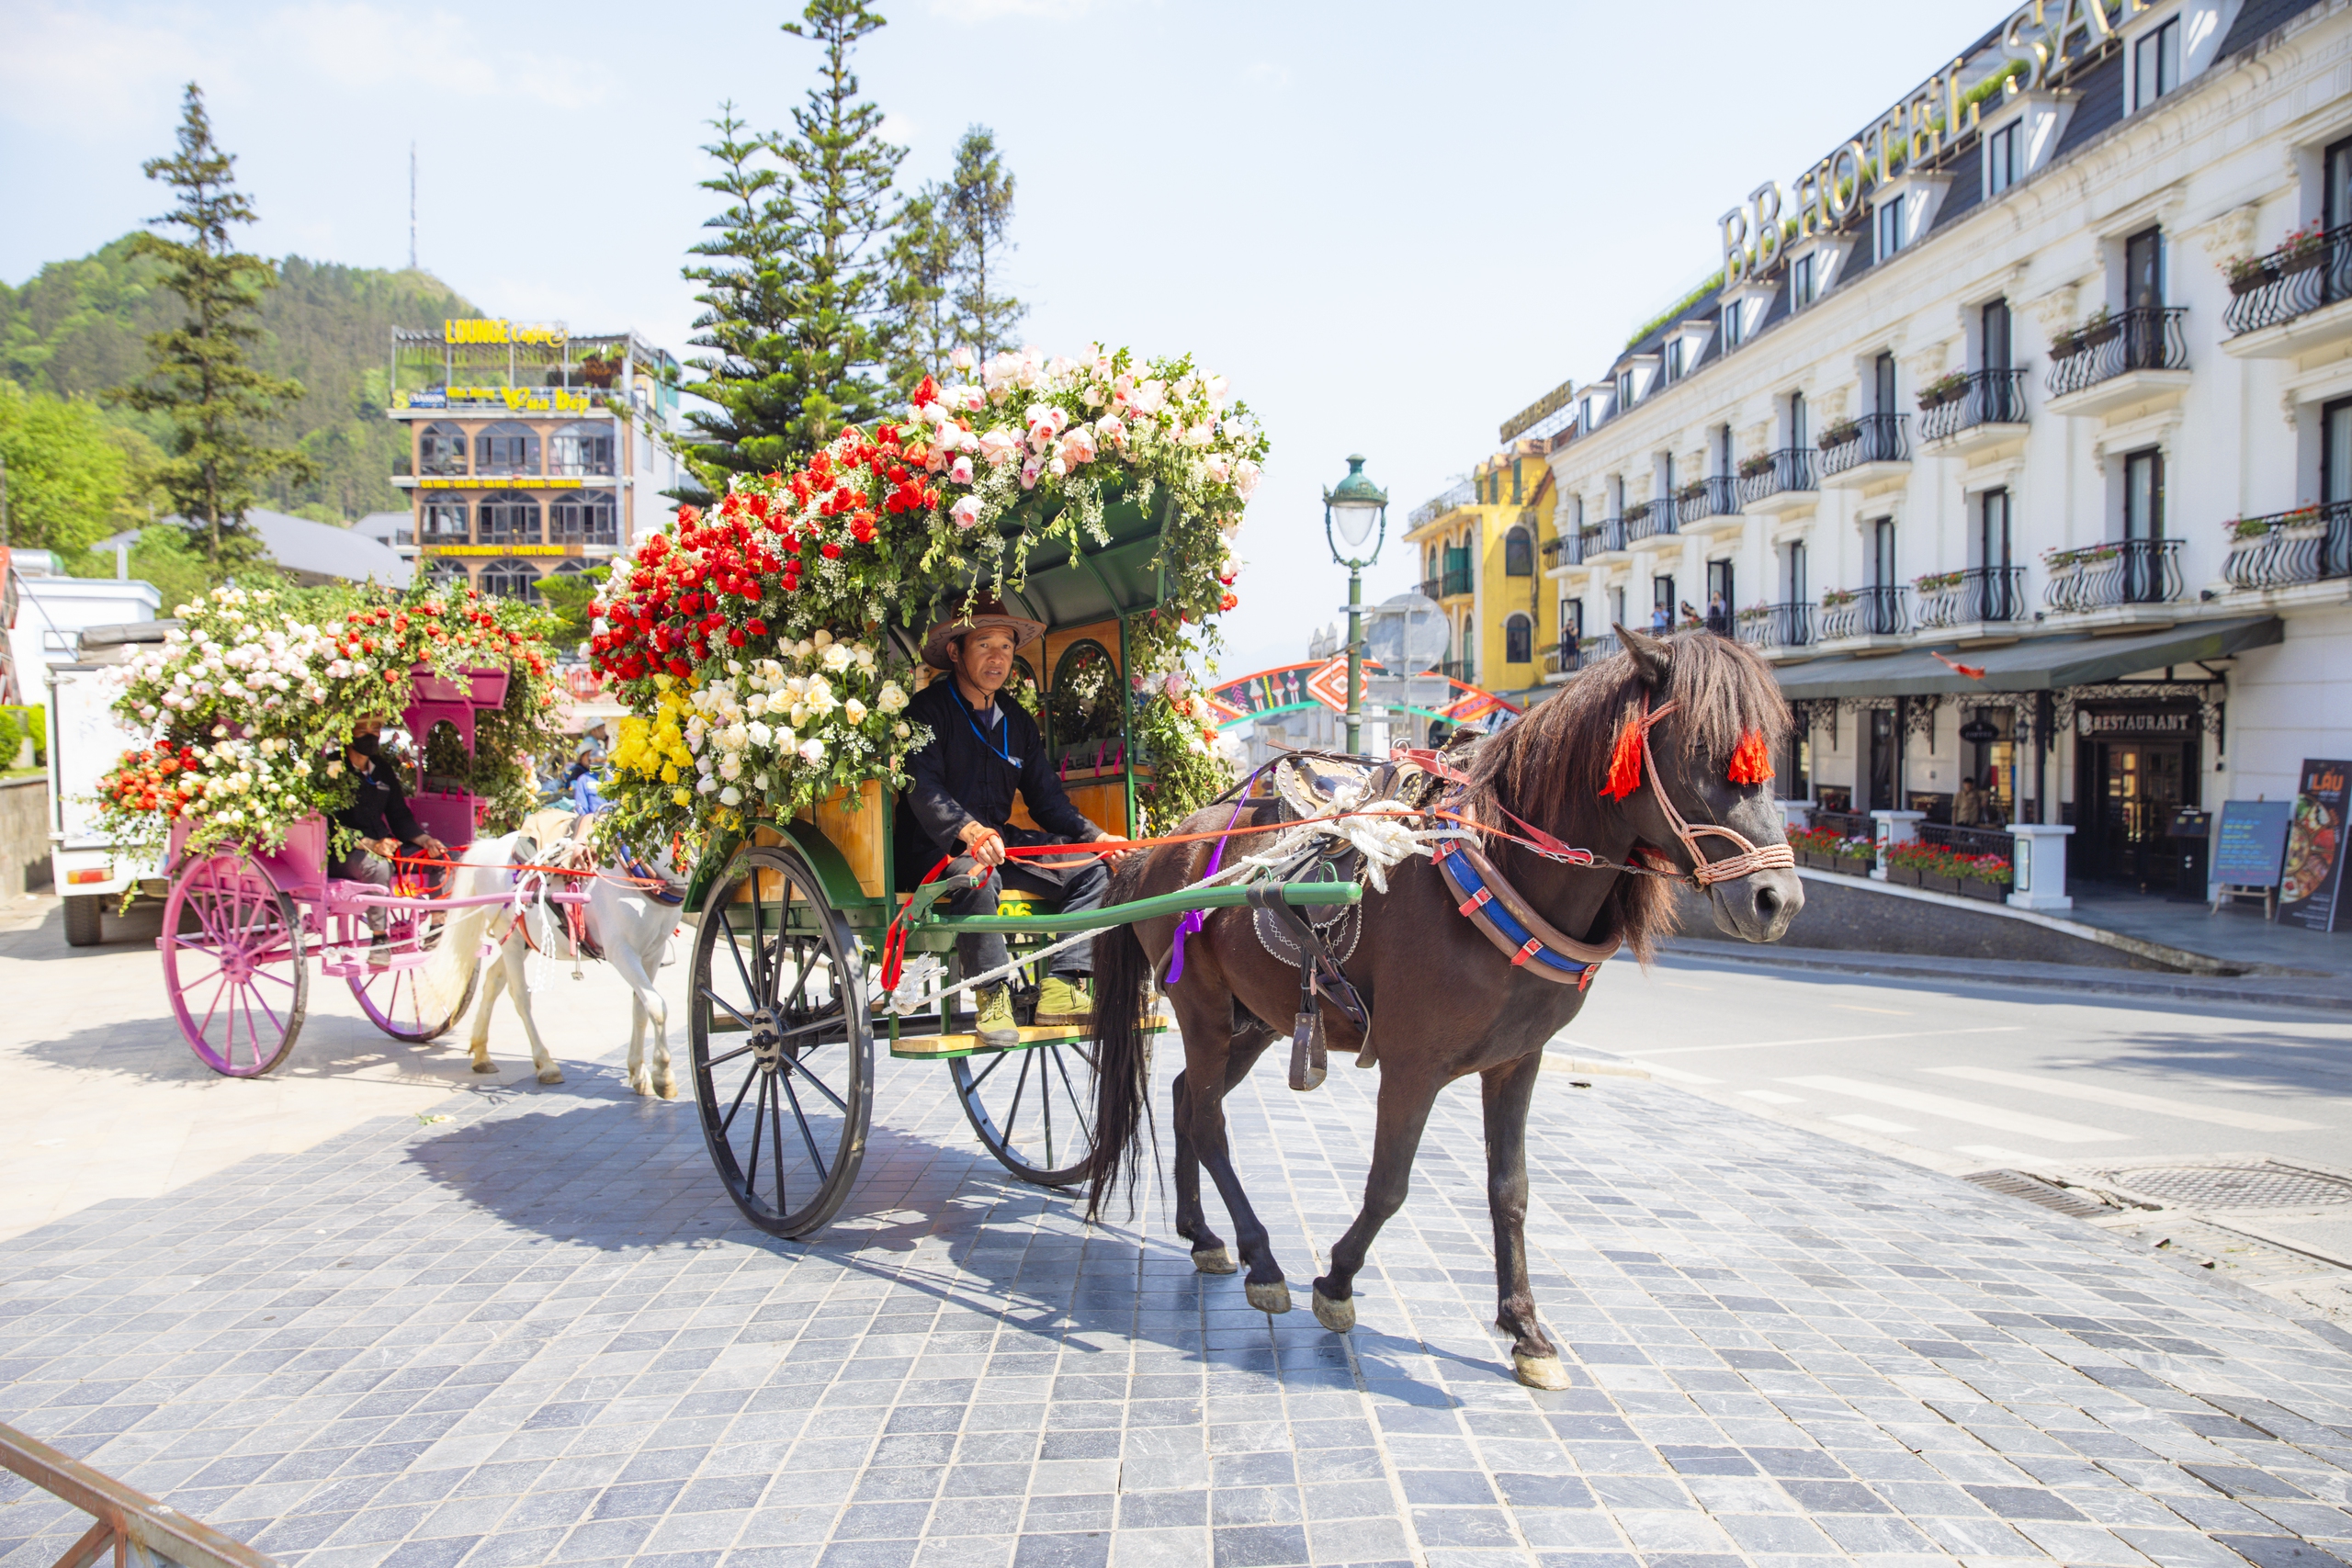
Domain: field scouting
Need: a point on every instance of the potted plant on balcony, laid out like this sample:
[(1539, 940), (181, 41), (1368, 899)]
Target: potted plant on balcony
[(1945, 389), (2246, 274), (1636, 512), (1755, 465), (1695, 491), (598, 371), (2099, 328), (1841, 432), (1837, 598), (2303, 250)]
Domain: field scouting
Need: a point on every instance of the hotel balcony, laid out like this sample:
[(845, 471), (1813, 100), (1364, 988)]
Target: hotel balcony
[(2310, 544), (1875, 451), (1709, 505), (1988, 411), (2297, 299), (1981, 596), (2136, 357), (1865, 615), (1566, 550), (1453, 581), (2120, 572), (1770, 626), (1603, 538), (1560, 662), (1648, 519), (1779, 482)]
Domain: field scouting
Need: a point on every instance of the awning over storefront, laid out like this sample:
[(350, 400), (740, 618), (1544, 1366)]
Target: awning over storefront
[(2036, 664)]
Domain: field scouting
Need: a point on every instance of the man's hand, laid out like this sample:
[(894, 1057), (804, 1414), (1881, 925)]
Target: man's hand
[(984, 844), (432, 846), (1114, 856), (386, 848)]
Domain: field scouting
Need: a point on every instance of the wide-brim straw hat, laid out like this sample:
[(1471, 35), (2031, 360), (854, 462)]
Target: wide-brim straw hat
[(988, 615)]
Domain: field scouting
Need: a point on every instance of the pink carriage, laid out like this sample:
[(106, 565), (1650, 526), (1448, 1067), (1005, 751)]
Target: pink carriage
[(240, 924)]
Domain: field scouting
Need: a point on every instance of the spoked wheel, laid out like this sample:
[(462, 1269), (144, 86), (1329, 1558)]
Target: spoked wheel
[(422, 1003), (233, 964), (1033, 1107), (783, 1046)]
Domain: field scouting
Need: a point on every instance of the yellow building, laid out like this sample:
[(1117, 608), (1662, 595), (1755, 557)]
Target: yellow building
[(1481, 545)]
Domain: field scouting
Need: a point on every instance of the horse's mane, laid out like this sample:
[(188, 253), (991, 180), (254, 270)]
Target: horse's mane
[(1549, 766)]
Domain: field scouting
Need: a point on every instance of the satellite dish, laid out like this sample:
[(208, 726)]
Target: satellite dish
[(1408, 634)]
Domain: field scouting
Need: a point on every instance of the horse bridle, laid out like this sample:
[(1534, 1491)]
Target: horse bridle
[(1704, 873)]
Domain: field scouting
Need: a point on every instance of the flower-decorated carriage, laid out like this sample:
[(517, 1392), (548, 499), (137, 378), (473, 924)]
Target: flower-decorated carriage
[(767, 647), (254, 699)]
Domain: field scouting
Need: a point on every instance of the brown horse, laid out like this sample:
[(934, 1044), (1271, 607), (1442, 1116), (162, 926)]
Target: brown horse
[(1445, 1001)]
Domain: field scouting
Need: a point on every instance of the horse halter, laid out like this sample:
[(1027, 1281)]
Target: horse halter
[(1706, 873)]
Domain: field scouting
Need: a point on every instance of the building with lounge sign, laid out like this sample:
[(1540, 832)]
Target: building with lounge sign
[(2017, 431), (532, 452)]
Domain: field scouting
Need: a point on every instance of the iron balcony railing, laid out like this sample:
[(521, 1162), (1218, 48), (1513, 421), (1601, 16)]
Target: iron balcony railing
[(1647, 519), (1877, 439), (1432, 586), (1881, 610), (2295, 279), (1437, 506), (1790, 469), (1848, 824), (1991, 397), (1604, 536), (1458, 580), (1776, 626), (2149, 338), (1714, 496), (2124, 572), (2309, 543), (1967, 598), (1563, 659)]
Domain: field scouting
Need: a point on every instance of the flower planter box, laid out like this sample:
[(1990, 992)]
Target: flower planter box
[(1908, 876), (1979, 887), (1935, 883), (2287, 266), (1852, 865)]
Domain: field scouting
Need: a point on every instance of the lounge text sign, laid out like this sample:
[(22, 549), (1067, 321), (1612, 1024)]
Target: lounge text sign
[(478, 330)]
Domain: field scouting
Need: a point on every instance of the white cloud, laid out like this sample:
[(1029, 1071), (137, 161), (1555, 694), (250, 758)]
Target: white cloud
[(903, 130), (65, 65)]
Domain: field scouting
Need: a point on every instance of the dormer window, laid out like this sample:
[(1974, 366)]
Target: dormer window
[(2005, 157), (1674, 359), (1802, 289), (1625, 389), (2155, 63), (1890, 227), (1729, 326)]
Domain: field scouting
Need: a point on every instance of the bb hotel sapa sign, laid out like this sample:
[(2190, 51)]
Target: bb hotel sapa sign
[(2037, 43)]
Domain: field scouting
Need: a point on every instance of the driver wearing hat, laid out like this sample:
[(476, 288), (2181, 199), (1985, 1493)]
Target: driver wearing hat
[(984, 747)]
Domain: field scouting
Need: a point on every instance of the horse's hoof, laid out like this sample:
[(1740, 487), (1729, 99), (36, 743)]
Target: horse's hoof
[(554, 1075), (485, 1067), (667, 1090), (1215, 1260), (1272, 1297), (1540, 1371), (1336, 1316)]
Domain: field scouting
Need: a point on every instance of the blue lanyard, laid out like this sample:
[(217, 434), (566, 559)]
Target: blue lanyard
[(999, 753)]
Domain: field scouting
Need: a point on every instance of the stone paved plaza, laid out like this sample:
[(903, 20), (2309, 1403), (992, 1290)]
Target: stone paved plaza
[(536, 1332)]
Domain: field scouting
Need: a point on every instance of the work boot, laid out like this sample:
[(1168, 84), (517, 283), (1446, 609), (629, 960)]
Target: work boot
[(997, 1027), (1060, 1003)]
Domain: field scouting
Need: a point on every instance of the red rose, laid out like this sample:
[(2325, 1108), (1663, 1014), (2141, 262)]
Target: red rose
[(829, 550)]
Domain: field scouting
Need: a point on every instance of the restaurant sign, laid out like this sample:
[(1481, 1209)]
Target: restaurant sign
[(498, 481), (2137, 722), (500, 550)]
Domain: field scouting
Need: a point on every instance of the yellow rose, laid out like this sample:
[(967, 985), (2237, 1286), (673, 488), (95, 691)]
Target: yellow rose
[(684, 797)]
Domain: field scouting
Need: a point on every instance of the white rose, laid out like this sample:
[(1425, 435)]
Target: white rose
[(760, 735), (891, 698), (707, 786), (837, 657), (812, 751), (901, 731), (855, 711), (760, 783)]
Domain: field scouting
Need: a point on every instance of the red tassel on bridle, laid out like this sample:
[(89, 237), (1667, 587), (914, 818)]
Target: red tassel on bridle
[(1751, 763), (1625, 757)]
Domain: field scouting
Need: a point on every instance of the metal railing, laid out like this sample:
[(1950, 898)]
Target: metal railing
[(130, 1525), (1604, 536), (1566, 550), (1969, 840), (2309, 543), (1589, 651), (2149, 338), (1776, 626), (1437, 506), (1792, 468), (2126, 571), (1966, 598), (1848, 824), (1647, 519), (1991, 397), (2294, 280), (1877, 439), (1714, 496), (1881, 610)]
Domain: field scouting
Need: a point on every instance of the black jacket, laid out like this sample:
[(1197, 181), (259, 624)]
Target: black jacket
[(378, 807), (964, 776)]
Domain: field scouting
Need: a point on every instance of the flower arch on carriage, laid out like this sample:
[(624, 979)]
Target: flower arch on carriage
[(760, 643), (252, 698)]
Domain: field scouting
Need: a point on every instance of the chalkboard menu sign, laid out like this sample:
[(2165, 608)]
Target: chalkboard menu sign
[(2252, 842), (2312, 880)]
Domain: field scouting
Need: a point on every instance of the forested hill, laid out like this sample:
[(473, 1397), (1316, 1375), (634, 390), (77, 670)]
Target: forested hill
[(81, 326)]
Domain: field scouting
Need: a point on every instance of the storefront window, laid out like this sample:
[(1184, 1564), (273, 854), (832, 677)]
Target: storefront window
[(510, 519), (582, 520), (580, 449), (510, 580), (444, 523), (441, 450), (507, 449)]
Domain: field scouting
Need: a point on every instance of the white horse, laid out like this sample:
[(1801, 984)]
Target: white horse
[(491, 866), (625, 924)]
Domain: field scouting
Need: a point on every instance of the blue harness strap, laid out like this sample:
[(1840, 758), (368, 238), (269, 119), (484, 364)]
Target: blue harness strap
[(1479, 903)]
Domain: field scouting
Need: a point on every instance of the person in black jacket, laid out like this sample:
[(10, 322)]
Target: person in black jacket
[(985, 749), (379, 814)]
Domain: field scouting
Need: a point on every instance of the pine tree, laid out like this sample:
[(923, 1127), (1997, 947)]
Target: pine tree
[(843, 171), (748, 299), (979, 210), (923, 273), (198, 375)]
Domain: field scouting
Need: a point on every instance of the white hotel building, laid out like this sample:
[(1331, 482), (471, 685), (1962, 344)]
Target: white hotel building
[(2009, 408)]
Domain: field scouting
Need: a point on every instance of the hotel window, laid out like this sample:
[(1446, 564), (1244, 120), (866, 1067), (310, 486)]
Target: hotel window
[(445, 522), (441, 450), (1662, 603), (2005, 157), (1729, 325), (1624, 390), (1571, 620), (509, 519), (2155, 64), (1797, 420), (1993, 530), (1890, 227), (1518, 640), (1519, 554), (1882, 554), (2143, 269), (2335, 199), (507, 449), (582, 520), (1994, 336), (1517, 491), (510, 580), (1674, 359), (1722, 445), (2144, 495), (445, 570), (1800, 291), (580, 449), (2335, 451)]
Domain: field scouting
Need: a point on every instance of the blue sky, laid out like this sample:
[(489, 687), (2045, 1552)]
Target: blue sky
[(1390, 226)]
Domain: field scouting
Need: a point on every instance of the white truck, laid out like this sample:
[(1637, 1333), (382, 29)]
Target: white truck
[(85, 740)]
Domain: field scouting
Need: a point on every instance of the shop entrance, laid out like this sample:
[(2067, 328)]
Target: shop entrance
[(2133, 786)]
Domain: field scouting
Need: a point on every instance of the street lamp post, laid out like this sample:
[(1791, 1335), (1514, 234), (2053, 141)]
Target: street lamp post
[(1353, 510)]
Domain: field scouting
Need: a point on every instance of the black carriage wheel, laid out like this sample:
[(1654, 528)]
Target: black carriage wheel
[(782, 1042), (1033, 1107)]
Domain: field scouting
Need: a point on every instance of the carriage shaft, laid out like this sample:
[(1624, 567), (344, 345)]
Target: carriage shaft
[(1178, 903)]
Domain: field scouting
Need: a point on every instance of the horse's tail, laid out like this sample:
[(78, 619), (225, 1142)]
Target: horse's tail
[(1122, 1061)]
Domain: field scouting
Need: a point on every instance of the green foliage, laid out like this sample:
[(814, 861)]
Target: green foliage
[(12, 739), (922, 272), (568, 597), (168, 557), (979, 213), (199, 374), (747, 298), (1713, 281), (69, 481)]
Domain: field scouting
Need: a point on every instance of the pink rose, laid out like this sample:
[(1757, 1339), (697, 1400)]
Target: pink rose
[(966, 511), (999, 445), (960, 470), (1148, 398), (1245, 478), (1110, 429), (1219, 467), (1029, 472), (1077, 446)]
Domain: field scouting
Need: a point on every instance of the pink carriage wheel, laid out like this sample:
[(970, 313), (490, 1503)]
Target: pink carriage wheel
[(426, 1001), (233, 964)]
